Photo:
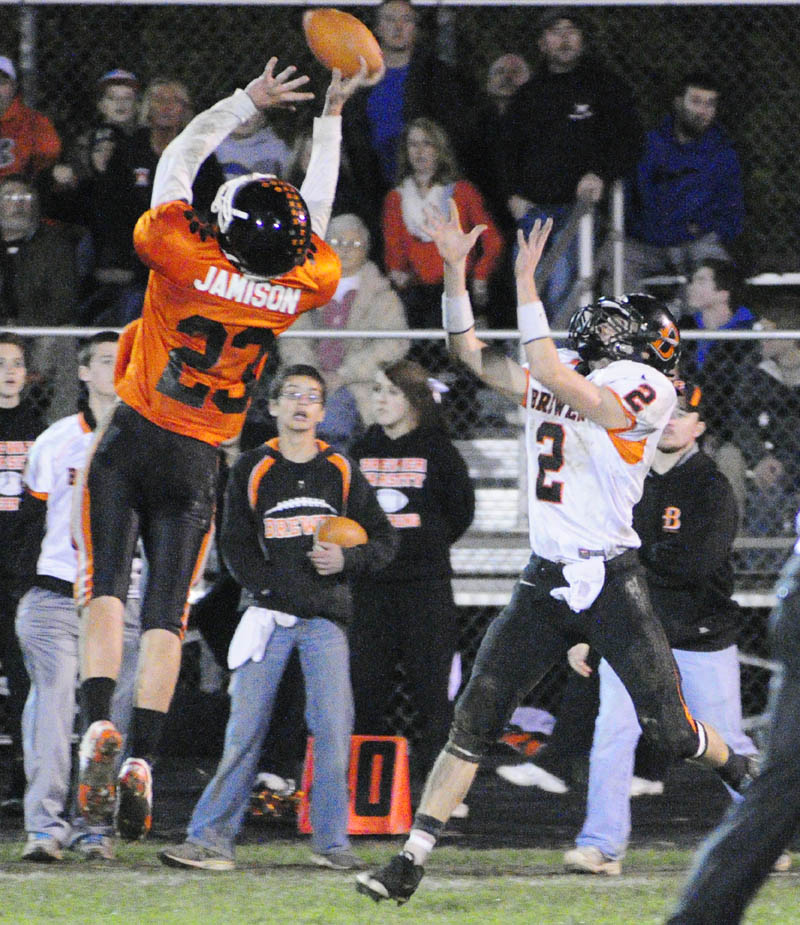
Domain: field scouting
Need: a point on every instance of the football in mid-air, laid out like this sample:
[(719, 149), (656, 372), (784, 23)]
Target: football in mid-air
[(343, 531), (337, 39)]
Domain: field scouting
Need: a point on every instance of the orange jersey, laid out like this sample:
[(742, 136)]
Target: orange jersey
[(206, 329)]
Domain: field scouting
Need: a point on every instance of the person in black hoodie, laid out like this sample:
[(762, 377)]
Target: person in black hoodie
[(406, 611), (568, 132), (277, 497), (20, 424)]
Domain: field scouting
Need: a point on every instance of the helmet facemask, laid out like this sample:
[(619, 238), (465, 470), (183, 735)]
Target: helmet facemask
[(632, 327)]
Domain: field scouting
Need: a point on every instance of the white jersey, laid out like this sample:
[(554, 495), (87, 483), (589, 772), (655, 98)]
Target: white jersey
[(52, 467), (584, 480), (51, 470)]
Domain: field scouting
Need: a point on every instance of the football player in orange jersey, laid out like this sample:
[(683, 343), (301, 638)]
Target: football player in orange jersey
[(218, 295)]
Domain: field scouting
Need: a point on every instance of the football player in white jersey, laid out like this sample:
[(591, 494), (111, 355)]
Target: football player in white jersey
[(594, 415)]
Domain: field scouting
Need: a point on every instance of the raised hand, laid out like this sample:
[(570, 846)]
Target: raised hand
[(340, 89), (453, 243), (278, 91), (529, 252)]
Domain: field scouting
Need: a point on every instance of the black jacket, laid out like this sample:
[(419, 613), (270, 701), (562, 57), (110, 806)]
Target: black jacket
[(19, 427), (272, 508), (687, 521), (424, 485), (559, 127)]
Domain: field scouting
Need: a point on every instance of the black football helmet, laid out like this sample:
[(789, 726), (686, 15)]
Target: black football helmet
[(630, 327), (264, 225)]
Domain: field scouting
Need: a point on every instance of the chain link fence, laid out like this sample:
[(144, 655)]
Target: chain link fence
[(752, 51), (487, 430), (750, 48)]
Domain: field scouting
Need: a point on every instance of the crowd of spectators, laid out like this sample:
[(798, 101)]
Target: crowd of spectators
[(545, 137)]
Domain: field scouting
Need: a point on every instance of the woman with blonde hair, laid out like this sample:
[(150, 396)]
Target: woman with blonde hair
[(429, 176)]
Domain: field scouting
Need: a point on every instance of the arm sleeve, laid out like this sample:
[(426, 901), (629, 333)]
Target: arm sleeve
[(239, 543), (382, 544), (728, 203), (48, 144), (395, 234), (697, 552), (183, 156), (26, 541), (455, 491), (319, 186), (474, 212)]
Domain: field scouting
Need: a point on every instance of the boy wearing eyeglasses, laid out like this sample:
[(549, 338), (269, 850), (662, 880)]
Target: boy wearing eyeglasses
[(298, 587)]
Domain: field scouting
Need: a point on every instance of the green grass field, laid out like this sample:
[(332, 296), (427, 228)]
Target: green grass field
[(275, 883)]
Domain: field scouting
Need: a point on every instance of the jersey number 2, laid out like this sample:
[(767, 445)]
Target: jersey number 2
[(550, 462), (216, 336)]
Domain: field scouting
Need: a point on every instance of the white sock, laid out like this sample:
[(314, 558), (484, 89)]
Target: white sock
[(419, 845)]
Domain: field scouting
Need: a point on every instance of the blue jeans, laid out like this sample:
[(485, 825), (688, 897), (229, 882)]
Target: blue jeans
[(324, 659), (710, 682)]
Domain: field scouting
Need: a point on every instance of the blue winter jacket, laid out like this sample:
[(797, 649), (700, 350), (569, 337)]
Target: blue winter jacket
[(685, 191)]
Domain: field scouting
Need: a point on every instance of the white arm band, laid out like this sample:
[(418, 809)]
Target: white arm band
[(457, 314), (183, 156), (532, 322), (319, 186)]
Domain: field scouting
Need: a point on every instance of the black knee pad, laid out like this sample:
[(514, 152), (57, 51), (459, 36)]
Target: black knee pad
[(479, 717), (674, 740)]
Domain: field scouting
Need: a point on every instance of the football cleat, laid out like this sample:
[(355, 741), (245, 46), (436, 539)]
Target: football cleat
[(275, 799), (398, 880), (135, 800), (526, 743), (97, 783)]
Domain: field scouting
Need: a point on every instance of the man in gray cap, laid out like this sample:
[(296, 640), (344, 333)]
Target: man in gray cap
[(29, 142)]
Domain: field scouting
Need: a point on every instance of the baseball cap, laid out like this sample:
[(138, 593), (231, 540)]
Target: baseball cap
[(7, 67), (119, 76), (552, 15), (690, 396)]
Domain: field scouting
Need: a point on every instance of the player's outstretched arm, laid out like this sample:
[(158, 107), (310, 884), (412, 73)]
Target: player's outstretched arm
[(454, 245), (596, 404)]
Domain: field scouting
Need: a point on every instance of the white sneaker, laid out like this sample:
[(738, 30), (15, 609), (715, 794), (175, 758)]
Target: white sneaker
[(586, 859), (531, 775), (283, 786), (42, 848), (641, 787)]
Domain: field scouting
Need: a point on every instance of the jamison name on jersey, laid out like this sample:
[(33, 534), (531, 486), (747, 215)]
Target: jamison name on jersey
[(247, 291)]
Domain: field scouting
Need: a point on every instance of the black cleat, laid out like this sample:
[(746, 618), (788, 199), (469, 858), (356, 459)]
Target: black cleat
[(398, 880), (739, 771)]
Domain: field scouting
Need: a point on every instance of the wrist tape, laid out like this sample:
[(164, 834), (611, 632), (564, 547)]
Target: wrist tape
[(532, 322), (457, 314)]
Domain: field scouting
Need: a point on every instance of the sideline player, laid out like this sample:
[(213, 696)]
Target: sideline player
[(47, 620), (737, 858), (590, 439), (217, 297)]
